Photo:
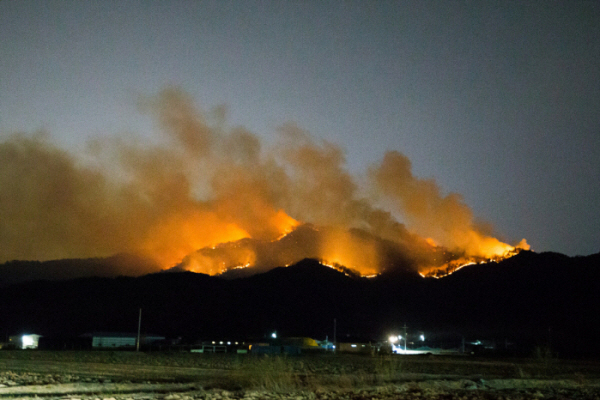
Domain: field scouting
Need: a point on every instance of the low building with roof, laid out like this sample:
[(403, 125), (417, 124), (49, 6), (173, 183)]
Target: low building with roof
[(24, 341), (120, 339)]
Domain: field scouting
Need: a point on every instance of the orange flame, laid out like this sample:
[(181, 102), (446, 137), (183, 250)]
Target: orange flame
[(181, 235), (232, 253), (495, 251)]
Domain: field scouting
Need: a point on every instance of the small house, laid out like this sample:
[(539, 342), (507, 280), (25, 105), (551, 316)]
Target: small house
[(27, 341)]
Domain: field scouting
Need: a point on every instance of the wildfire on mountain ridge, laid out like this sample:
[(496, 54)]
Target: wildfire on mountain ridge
[(353, 253), (208, 197)]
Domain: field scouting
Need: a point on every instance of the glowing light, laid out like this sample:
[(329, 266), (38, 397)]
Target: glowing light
[(393, 339), (274, 335), (431, 242), (27, 341)]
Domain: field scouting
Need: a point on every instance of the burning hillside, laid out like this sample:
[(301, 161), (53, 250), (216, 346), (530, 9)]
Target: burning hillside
[(208, 197), (353, 251)]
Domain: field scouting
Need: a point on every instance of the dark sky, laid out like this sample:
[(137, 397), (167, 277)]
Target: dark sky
[(496, 100)]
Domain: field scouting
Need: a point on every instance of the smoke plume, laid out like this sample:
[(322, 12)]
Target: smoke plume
[(216, 198)]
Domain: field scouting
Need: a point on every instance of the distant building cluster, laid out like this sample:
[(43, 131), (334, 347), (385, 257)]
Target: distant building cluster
[(94, 340), (270, 344)]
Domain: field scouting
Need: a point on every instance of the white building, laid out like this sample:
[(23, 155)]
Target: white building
[(116, 339), (24, 341)]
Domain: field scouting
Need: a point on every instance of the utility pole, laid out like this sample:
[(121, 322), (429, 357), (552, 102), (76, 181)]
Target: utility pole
[(405, 338), (137, 343), (334, 335)]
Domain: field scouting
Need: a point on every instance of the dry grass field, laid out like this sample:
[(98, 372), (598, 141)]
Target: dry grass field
[(90, 373)]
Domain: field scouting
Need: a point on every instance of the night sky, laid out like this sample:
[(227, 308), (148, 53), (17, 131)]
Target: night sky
[(497, 101)]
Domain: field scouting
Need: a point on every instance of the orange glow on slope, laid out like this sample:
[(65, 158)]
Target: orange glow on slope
[(339, 247), (233, 253), (431, 242), (284, 223), (350, 252), (181, 235), (486, 246), (237, 259), (446, 269), (337, 267), (496, 251)]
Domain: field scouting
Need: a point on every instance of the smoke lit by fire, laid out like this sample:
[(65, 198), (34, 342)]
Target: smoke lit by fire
[(210, 198)]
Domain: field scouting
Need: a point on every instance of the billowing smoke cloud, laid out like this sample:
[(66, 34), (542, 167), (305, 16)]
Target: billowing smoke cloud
[(204, 185), (446, 219)]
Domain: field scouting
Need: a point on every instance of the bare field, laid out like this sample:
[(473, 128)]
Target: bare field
[(112, 374)]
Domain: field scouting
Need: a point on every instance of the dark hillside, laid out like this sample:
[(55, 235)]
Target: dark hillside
[(13, 272), (531, 299)]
